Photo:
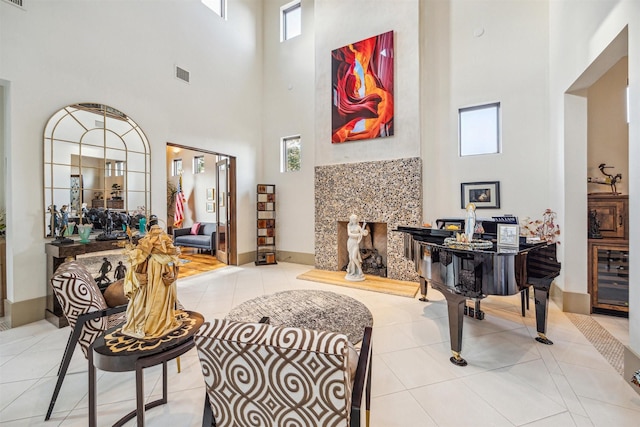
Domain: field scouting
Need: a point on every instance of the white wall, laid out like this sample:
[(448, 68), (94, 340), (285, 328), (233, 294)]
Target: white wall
[(482, 52), (579, 33), (194, 186), (338, 23), (608, 138), (288, 109), (123, 54)]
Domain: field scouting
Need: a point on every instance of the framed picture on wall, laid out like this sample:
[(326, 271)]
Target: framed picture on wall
[(485, 195), (211, 193), (211, 207)]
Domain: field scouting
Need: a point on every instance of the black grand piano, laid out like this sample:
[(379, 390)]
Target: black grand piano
[(464, 272)]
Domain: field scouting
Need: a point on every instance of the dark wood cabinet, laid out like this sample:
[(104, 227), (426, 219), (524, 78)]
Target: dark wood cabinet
[(608, 263), (266, 234), (611, 212), (111, 204)]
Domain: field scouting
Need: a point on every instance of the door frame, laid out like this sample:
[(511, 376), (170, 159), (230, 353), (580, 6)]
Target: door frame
[(232, 237)]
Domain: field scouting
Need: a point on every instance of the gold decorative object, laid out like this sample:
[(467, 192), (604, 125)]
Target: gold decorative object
[(150, 285)]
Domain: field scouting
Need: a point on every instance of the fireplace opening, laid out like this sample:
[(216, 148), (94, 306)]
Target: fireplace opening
[(373, 248)]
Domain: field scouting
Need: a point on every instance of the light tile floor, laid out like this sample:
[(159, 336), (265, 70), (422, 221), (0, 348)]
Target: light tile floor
[(511, 380)]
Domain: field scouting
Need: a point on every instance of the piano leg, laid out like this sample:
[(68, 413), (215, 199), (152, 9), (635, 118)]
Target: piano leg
[(423, 289), (541, 296), (455, 309)]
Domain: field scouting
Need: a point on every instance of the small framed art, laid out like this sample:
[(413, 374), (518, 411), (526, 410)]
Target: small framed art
[(211, 194), (211, 207), (485, 195), (508, 235)]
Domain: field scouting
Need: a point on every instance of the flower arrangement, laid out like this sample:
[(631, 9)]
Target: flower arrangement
[(545, 228)]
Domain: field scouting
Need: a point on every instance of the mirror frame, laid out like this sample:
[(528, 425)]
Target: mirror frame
[(94, 128)]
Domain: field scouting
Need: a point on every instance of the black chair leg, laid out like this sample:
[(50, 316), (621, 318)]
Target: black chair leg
[(64, 365), (207, 414)]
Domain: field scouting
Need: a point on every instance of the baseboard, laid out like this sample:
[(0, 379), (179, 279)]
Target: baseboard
[(23, 312), (631, 365), (571, 302), (284, 256), (246, 258), (296, 257)]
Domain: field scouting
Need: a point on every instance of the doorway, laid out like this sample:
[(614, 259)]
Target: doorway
[(207, 179), (597, 136)]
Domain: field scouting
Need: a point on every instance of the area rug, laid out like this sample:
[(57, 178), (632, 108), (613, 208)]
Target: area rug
[(191, 264), (309, 309), (371, 283), (606, 344)]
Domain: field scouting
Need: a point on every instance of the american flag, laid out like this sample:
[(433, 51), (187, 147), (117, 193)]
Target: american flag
[(178, 216)]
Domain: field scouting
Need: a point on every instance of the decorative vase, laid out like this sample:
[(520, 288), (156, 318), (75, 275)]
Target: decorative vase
[(84, 231)]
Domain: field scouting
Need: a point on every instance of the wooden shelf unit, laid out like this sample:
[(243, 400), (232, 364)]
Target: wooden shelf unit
[(266, 225)]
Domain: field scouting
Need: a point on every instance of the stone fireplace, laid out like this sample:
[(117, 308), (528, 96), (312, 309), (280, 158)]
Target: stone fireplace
[(385, 192), (373, 248)]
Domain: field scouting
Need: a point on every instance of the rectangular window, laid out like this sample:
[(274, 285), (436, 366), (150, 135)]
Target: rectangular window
[(119, 169), (479, 129), (290, 20), (218, 6), (176, 168), (290, 154), (198, 164), (107, 169)]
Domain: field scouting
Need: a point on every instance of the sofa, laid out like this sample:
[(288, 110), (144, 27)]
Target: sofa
[(201, 235)]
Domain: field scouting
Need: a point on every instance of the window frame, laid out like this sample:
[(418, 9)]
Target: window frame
[(175, 170), (284, 153), (221, 3), (284, 10), (119, 168), (196, 162), (498, 125)]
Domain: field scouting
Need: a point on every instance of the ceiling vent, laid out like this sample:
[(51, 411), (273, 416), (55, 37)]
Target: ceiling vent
[(182, 74), (18, 3)]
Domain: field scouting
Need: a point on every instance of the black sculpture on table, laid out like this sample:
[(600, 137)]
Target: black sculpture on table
[(609, 179), (120, 271), (594, 225), (102, 279)]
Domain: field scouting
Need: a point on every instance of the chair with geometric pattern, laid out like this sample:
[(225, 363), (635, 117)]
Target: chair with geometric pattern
[(259, 374), (86, 311)]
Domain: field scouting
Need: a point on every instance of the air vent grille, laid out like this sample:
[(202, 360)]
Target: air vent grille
[(16, 2), (182, 74)]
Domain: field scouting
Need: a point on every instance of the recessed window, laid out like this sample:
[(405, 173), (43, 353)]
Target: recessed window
[(290, 154), (218, 6), (290, 20), (479, 129), (119, 168), (198, 164), (176, 168)]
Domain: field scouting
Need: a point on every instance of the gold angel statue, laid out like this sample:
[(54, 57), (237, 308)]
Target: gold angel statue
[(150, 285)]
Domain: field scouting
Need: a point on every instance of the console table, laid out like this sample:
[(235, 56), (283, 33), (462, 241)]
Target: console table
[(56, 255), (116, 352)]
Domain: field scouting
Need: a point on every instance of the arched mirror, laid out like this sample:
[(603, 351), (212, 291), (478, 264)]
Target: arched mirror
[(97, 157)]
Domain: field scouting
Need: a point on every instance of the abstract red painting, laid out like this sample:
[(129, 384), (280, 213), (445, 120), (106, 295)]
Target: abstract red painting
[(363, 89)]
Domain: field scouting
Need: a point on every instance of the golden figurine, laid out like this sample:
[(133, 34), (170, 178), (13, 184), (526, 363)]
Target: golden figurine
[(150, 284)]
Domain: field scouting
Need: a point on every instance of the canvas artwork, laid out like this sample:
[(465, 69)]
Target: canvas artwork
[(362, 82)]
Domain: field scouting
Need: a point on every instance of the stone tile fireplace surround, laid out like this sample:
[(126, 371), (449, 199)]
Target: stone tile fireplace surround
[(387, 191)]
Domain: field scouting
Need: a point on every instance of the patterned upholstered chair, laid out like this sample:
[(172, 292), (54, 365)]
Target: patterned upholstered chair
[(258, 374), (86, 310)]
